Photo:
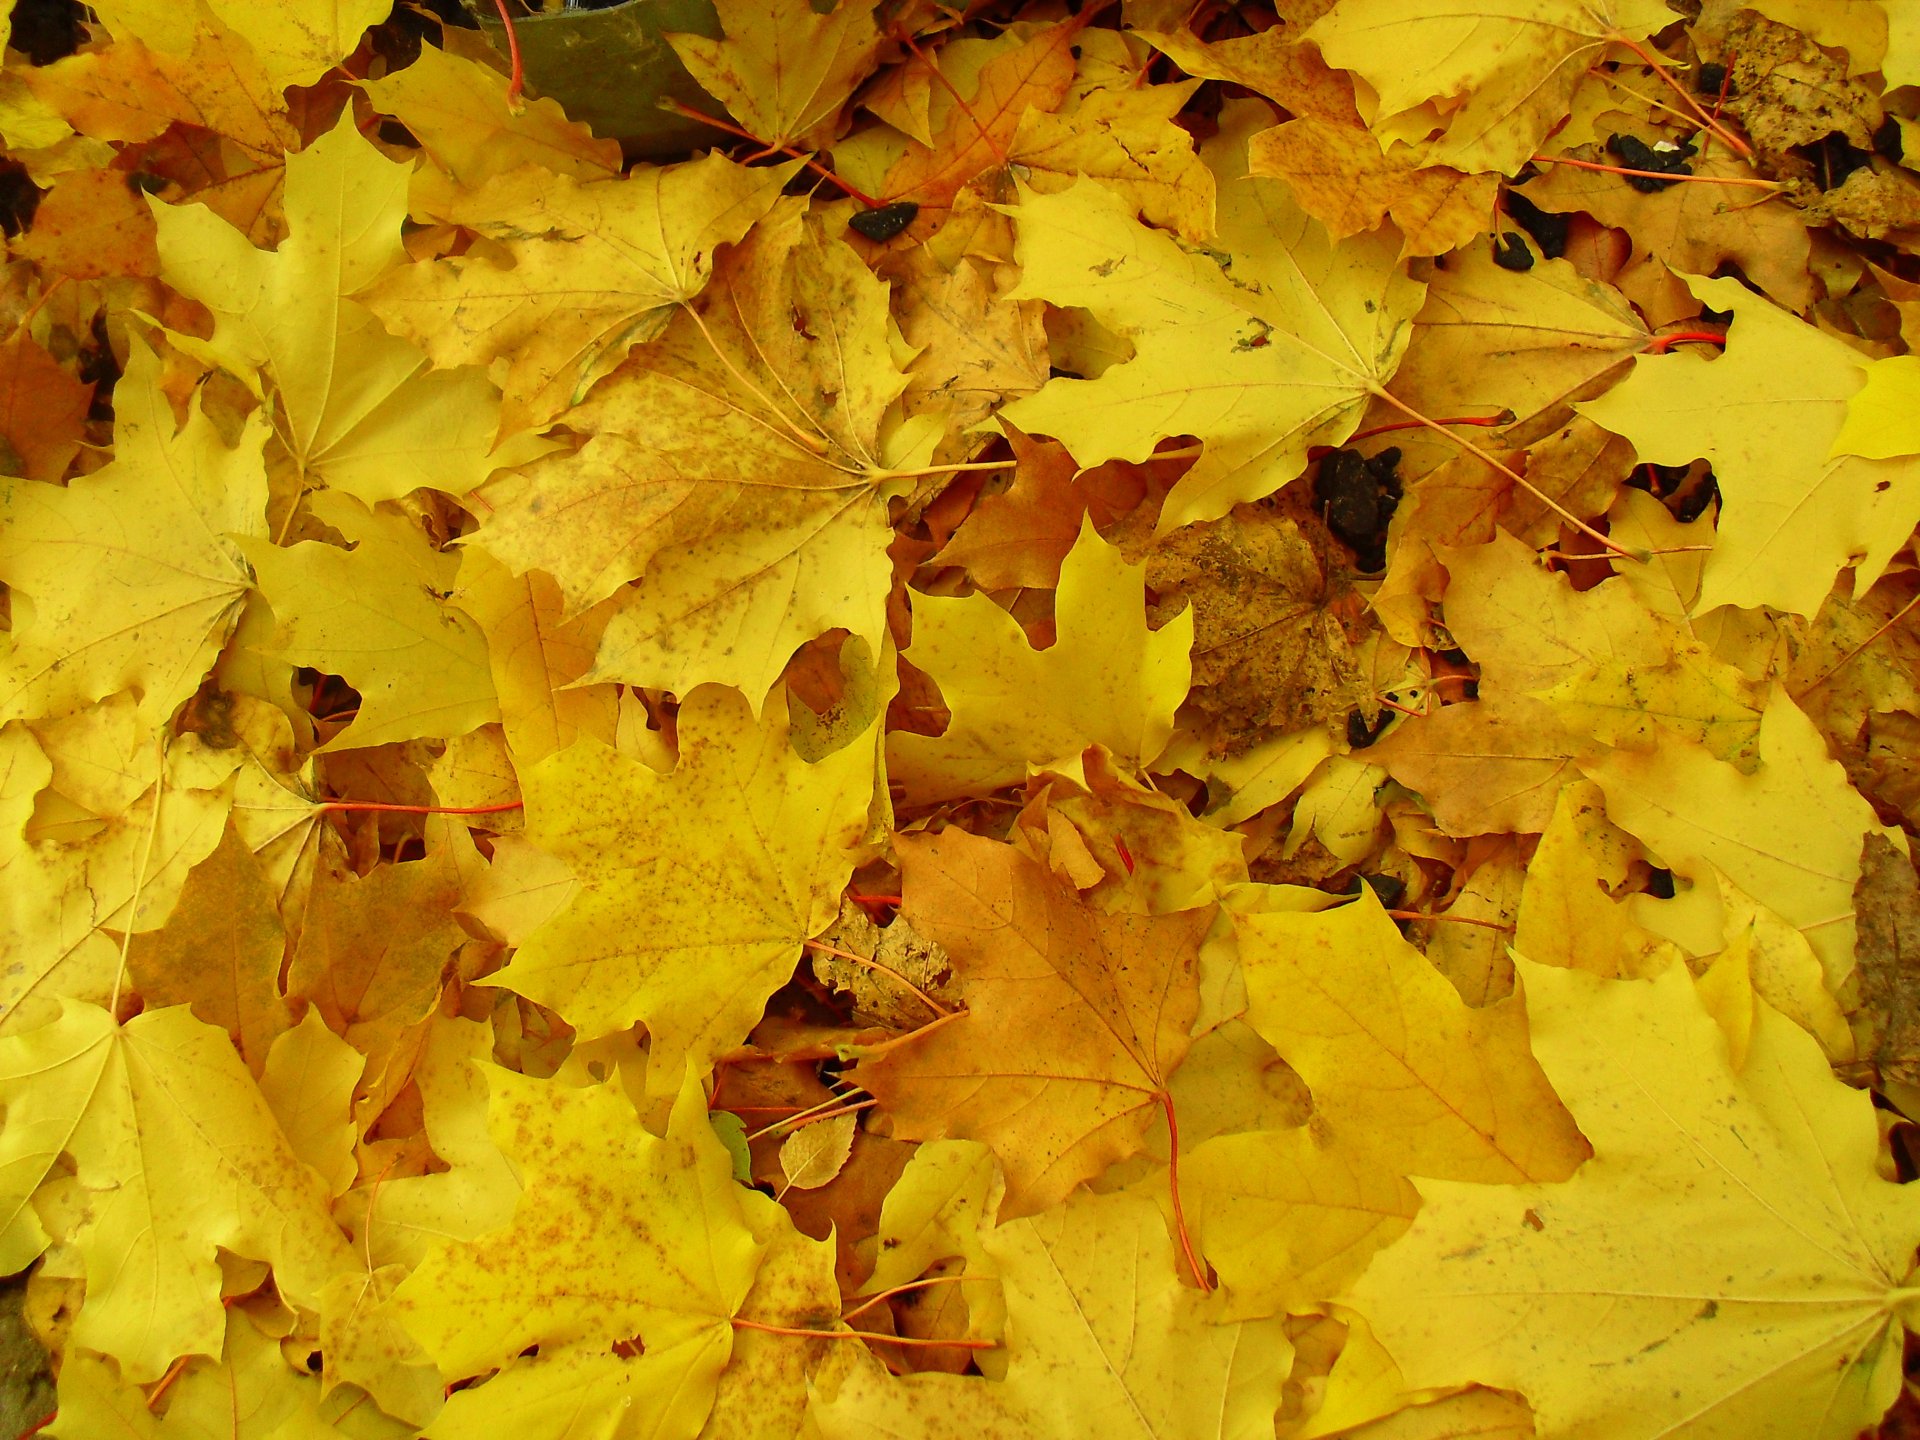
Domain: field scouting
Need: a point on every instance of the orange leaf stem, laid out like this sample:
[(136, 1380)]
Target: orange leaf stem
[(1505, 417), (1660, 344), (873, 1300), (20, 328), (1449, 920), (873, 964), (869, 1052), (788, 150), (40, 1424), (1739, 146), (1173, 1192), (1655, 174), (804, 1118), (806, 1334), (382, 805), (514, 102), (1503, 468), (999, 155)]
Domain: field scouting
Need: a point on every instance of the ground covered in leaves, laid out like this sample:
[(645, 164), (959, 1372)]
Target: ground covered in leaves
[(1183, 720)]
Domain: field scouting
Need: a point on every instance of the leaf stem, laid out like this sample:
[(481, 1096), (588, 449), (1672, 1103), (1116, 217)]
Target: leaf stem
[(1755, 183), (999, 155), (787, 150), (1198, 1270), (514, 102), (381, 805), (1505, 417), (1740, 147), (140, 875), (1502, 468), (875, 1299), (872, 964), (1449, 920), (1660, 344), (806, 1334), (813, 1114)]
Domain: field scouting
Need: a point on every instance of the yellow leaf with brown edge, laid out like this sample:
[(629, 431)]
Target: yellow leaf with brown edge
[(1402, 1071), (1761, 1287)]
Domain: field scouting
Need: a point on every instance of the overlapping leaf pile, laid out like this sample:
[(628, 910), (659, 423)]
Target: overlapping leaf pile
[(1253, 781)]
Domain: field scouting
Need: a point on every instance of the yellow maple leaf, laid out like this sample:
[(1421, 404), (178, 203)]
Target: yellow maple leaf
[(618, 1233), (457, 109), (108, 857), (1106, 680), (1729, 1262), (297, 42), (357, 409), (1103, 1342), (1401, 1070), (131, 577), (784, 68), (376, 615), (1790, 832), (1292, 334), (598, 266), (180, 1156), (220, 952), (695, 888), (1496, 76), (1770, 414), (738, 466)]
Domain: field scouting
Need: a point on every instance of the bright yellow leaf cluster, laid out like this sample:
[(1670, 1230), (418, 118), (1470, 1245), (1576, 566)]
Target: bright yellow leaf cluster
[(1153, 722)]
